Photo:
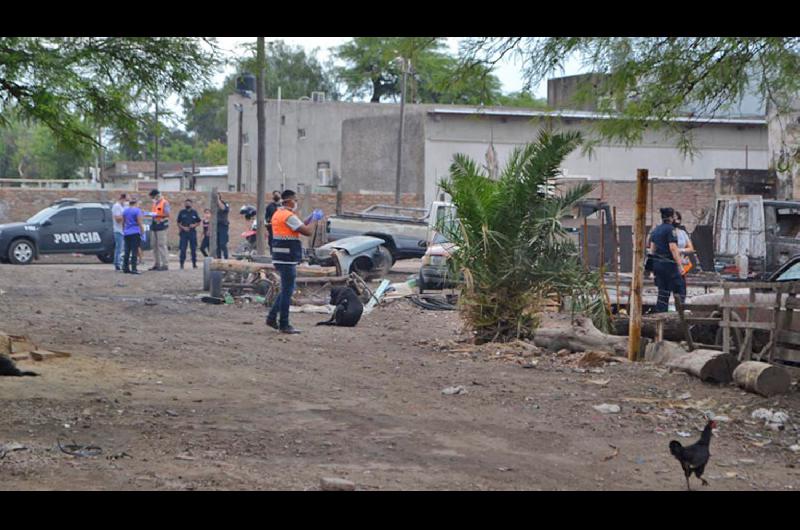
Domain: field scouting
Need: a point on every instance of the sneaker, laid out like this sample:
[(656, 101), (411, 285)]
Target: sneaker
[(181, 266), (164, 268), (153, 268), (272, 323), (194, 265), (135, 272), (126, 271), (289, 330)]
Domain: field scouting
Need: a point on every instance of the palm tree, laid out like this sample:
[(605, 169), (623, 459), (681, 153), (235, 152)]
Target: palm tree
[(510, 246)]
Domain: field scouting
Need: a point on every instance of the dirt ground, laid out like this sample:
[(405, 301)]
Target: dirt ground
[(183, 395)]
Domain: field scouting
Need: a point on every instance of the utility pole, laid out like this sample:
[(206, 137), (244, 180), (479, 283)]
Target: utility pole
[(156, 148), (406, 65), (262, 159), (240, 108), (635, 309)]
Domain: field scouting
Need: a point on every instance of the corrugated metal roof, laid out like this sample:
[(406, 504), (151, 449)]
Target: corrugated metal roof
[(584, 115)]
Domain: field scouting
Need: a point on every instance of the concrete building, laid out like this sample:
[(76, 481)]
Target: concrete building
[(205, 179), (316, 143)]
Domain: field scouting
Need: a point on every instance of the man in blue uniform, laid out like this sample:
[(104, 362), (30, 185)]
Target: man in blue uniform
[(188, 221), (666, 261)]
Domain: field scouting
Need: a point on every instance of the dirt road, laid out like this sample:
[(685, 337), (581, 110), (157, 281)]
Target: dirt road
[(184, 395)]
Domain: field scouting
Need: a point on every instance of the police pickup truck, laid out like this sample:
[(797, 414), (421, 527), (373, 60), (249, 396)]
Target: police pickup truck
[(64, 227)]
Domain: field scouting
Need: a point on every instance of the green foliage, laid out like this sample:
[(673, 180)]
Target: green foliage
[(207, 113), (522, 99), (370, 70), (215, 153), (510, 244), (651, 80), (63, 81), (31, 150)]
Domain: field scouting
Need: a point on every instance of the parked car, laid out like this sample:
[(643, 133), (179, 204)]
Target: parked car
[(403, 230), (65, 227)]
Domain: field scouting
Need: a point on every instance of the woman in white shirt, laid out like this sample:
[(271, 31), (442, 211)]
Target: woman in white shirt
[(685, 246)]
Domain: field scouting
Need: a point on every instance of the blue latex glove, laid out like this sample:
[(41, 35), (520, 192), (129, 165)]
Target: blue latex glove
[(317, 214)]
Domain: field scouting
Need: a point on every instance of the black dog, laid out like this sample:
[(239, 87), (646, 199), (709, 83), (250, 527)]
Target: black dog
[(348, 308), (7, 367)]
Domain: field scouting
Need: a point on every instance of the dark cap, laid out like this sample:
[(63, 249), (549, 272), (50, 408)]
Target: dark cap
[(154, 192), (667, 212), (288, 194)]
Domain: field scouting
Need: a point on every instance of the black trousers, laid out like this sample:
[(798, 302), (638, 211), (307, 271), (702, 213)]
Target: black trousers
[(132, 243), (188, 239), (204, 244), (222, 241)]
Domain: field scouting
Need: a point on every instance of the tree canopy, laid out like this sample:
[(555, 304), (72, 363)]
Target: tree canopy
[(371, 70), (61, 82), (651, 80)]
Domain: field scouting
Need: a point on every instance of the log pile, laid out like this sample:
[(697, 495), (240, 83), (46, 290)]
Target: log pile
[(558, 331), (762, 378), (708, 365)]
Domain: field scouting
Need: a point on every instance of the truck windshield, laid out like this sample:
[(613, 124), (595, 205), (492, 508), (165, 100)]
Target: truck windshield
[(788, 221), (42, 215), (790, 274)]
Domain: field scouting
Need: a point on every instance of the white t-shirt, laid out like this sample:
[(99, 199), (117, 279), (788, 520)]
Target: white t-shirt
[(115, 211), (294, 222)]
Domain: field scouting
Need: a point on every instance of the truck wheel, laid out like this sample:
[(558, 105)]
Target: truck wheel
[(108, 257), (21, 252), (215, 285), (207, 272)]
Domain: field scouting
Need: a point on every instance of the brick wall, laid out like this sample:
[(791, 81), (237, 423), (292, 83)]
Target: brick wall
[(689, 197), (18, 204)]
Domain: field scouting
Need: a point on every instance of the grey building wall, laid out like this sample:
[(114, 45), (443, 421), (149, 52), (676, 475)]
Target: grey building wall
[(309, 133), (720, 146), (369, 153)]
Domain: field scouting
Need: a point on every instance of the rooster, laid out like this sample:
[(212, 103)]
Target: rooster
[(693, 458)]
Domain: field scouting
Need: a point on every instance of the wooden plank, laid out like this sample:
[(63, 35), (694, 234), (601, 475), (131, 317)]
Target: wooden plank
[(792, 337), (726, 320), (703, 320), (787, 354), (748, 305), (746, 350), (766, 326), (752, 285), (686, 332), (701, 307)]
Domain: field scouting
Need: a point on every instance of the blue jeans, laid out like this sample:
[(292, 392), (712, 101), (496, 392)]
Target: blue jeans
[(288, 275), (119, 248)]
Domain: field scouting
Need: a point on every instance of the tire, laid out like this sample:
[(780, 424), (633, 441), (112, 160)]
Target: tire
[(108, 257), (207, 273), (21, 252), (215, 285)]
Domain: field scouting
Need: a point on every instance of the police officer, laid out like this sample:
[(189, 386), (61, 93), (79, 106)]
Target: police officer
[(223, 209), (287, 252), (188, 221), (666, 261)]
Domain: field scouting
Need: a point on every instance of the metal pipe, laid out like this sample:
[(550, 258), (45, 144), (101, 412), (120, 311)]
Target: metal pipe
[(262, 158), (400, 138)]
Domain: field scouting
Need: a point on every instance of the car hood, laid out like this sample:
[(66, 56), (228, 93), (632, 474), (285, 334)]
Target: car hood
[(352, 245), (11, 226)]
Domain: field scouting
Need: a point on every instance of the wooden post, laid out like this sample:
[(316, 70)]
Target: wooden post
[(635, 309), (586, 243), (212, 224), (261, 184), (616, 251)]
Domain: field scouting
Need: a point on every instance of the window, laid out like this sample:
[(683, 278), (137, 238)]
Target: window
[(301, 134), (283, 120), (741, 217), (790, 274), (92, 215), (64, 216), (245, 139), (788, 222)]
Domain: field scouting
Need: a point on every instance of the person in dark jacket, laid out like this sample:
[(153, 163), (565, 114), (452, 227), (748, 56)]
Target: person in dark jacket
[(666, 261), (222, 227), (271, 209), (188, 221)]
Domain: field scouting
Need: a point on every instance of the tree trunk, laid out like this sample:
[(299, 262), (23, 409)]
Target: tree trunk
[(762, 378), (232, 265), (559, 331), (708, 365)]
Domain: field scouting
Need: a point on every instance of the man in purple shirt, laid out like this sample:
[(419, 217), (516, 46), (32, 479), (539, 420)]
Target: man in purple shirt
[(132, 229)]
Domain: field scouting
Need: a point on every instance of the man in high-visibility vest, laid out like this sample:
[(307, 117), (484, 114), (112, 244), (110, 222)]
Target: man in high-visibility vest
[(160, 215), (287, 252)]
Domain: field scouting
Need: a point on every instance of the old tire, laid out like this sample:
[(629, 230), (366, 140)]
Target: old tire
[(21, 252), (215, 284), (108, 257), (207, 273)]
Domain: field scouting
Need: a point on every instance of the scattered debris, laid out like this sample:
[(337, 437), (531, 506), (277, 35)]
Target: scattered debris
[(683, 434), (10, 447), (117, 456), (774, 420), (505, 469), (794, 448), (171, 413), (607, 408), (213, 300), (326, 309), (533, 363), (612, 455), (336, 484), (454, 390), (185, 456), (43, 355), (79, 450), (685, 396), (599, 382)]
